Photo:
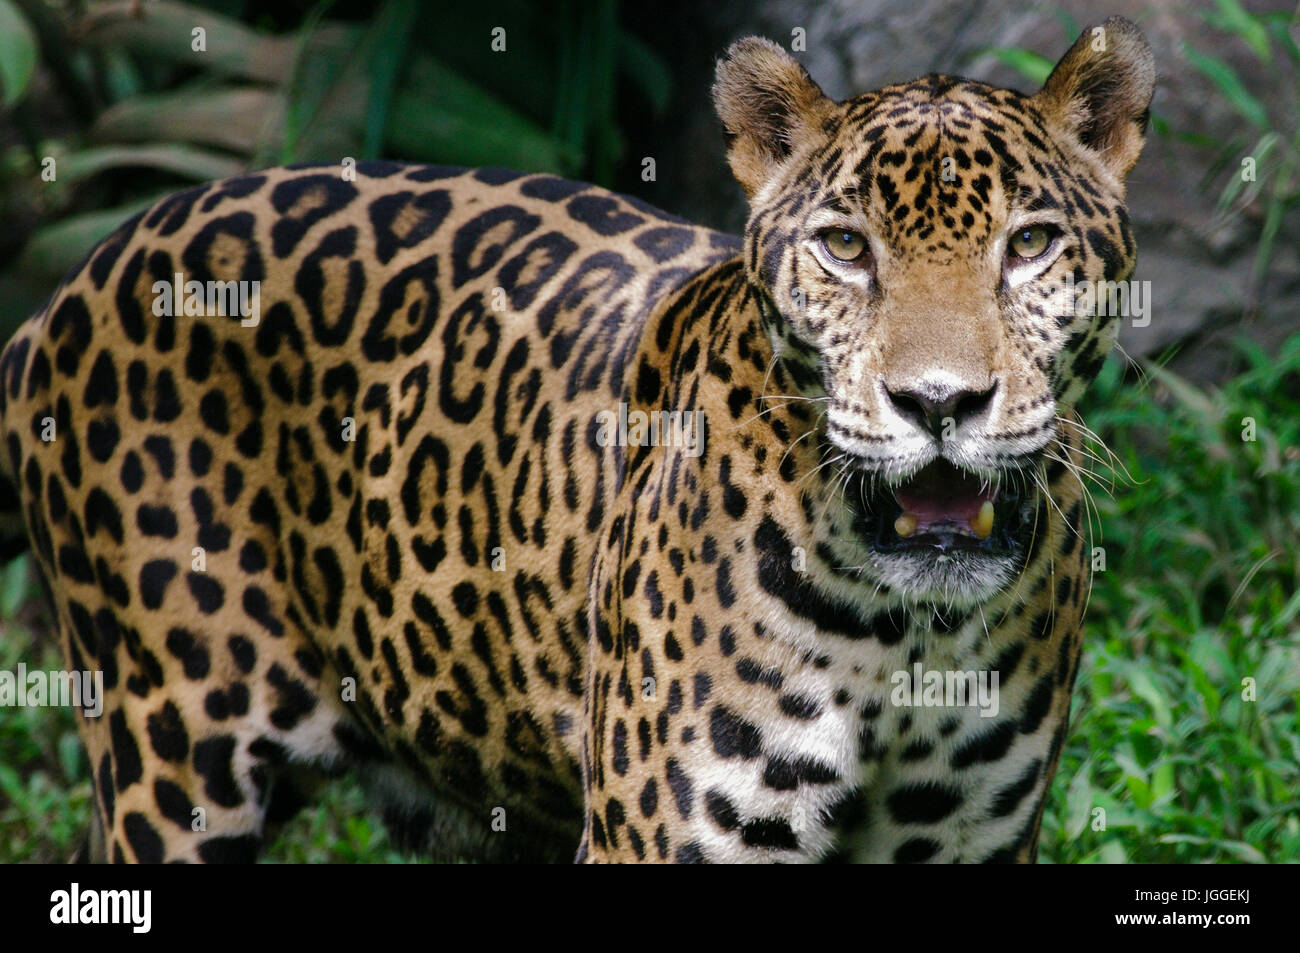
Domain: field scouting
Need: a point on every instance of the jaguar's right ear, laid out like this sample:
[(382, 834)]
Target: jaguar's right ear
[(767, 103)]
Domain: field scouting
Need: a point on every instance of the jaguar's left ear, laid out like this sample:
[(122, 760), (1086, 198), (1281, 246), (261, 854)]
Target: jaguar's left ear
[(1100, 93)]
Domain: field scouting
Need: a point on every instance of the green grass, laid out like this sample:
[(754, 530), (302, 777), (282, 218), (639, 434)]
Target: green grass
[(338, 829), (1199, 594), (44, 778)]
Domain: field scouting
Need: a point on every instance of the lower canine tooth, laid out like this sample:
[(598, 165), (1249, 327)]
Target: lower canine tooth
[(905, 525), (982, 524)]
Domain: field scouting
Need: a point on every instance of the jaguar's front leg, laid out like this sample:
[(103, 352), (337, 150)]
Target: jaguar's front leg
[(706, 743)]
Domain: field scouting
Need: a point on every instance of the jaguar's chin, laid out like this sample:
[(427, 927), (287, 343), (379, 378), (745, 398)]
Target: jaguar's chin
[(946, 534)]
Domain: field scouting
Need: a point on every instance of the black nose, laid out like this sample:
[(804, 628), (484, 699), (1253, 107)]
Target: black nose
[(932, 408)]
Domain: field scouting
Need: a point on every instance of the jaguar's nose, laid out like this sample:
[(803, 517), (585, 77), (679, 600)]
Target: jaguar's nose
[(933, 406)]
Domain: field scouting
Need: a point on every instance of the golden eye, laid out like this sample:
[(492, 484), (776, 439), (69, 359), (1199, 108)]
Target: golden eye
[(1031, 242), (844, 246)]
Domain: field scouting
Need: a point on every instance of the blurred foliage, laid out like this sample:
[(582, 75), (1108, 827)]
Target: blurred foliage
[(115, 104), (1262, 162), (1201, 592)]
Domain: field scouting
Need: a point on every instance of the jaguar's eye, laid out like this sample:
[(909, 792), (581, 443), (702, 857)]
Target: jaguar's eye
[(1030, 243), (844, 246)]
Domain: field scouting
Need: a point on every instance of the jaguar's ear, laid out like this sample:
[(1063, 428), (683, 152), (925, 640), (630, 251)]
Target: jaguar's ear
[(767, 103), (1100, 92)]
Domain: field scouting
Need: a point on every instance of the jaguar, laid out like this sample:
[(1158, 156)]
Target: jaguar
[(580, 532)]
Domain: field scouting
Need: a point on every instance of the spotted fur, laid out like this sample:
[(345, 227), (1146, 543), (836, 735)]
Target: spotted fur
[(639, 653)]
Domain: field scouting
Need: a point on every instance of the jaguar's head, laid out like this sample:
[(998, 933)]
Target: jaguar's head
[(925, 255)]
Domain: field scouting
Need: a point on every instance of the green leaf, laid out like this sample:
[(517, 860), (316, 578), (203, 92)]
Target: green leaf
[(1262, 149), (11, 785), (1162, 781), (1182, 839), (228, 117), (1232, 18), (57, 247), (1278, 24), (1112, 852), (317, 73), (1208, 690), (163, 31), (1226, 80), (1078, 804), (1140, 681), (646, 68), (13, 588), (1186, 394), (1243, 852), (17, 52), (122, 78), (1033, 66), (448, 118), (1069, 24), (200, 165), (386, 41), (70, 756), (1139, 790)]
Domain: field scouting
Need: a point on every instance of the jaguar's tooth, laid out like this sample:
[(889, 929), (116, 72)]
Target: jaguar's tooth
[(982, 524), (905, 525)]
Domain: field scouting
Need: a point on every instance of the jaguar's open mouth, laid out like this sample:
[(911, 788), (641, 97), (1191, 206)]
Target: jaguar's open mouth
[(943, 507)]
